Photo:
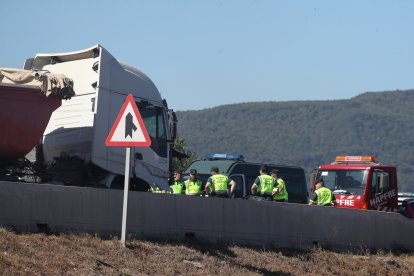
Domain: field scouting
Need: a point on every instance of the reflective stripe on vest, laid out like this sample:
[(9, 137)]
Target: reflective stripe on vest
[(283, 195), (177, 187), (266, 184), (220, 182), (192, 188), (324, 196)]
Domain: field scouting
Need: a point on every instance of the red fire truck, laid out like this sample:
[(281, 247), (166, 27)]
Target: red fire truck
[(360, 182)]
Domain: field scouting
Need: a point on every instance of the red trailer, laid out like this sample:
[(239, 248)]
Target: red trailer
[(24, 114), (27, 100)]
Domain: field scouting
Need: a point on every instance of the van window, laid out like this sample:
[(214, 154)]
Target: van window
[(250, 172), (239, 185), (249, 184), (294, 179)]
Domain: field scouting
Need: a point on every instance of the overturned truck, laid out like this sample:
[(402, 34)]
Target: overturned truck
[(56, 113)]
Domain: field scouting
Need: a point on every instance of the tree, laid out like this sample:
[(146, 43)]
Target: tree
[(182, 163)]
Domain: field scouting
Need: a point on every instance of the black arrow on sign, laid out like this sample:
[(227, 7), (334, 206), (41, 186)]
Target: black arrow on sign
[(129, 125)]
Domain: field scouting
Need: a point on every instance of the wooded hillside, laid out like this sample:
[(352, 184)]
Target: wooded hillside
[(308, 133)]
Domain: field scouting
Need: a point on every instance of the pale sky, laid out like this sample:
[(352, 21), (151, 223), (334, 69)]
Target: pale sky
[(202, 54)]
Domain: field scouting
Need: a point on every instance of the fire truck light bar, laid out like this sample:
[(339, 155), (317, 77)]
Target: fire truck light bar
[(355, 159)]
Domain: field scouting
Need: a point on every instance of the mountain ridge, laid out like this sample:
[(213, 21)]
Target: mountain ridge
[(309, 133)]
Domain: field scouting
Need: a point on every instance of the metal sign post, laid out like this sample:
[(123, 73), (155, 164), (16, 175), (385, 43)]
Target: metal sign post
[(128, 131), (126, 189)]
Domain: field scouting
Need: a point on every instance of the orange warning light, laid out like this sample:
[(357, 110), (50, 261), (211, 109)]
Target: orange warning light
[(355, 159)]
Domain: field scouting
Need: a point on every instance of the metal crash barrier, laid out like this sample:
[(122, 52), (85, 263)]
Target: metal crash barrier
[(45, 207)]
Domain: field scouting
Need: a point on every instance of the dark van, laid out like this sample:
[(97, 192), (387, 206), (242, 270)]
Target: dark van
[(245, 173)]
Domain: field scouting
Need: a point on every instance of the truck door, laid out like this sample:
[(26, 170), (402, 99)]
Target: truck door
[(381, 193), (240, 185)]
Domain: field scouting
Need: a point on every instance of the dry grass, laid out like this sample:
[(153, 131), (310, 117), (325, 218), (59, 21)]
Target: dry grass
[(27, 254)]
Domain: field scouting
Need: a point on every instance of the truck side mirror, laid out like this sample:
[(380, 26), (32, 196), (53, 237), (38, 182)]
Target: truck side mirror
[(384, 182), (172, 122)]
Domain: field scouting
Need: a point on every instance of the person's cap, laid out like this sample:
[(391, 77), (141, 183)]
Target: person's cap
[(193, 171), (274, 171), (214, 169)]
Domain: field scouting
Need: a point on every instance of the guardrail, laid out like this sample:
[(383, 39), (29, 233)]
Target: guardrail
[(41, 207)]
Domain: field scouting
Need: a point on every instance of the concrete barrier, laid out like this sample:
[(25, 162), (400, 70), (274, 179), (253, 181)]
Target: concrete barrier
[(33, 207)]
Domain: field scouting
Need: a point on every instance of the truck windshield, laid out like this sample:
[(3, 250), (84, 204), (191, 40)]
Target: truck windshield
[(344, 181), (153, 117)]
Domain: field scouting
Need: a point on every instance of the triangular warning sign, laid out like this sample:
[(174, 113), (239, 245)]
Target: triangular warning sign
[(129, 129)]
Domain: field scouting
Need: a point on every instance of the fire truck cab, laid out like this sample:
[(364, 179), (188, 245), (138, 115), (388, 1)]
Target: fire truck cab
[(360, 182)]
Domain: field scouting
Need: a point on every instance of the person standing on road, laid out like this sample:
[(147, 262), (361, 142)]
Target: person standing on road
[(217, 184), (177, 187), (279, 191), (323, 196), (263, 185), (193, 185)]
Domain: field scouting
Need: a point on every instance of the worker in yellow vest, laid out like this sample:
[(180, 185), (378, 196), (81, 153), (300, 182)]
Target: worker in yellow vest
[(193, 185), (177, 187), (263, 185), (217, 184), (323, 196), (279, 193)]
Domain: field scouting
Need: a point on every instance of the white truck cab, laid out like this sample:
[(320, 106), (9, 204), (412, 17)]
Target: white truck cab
[(80, 126)]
